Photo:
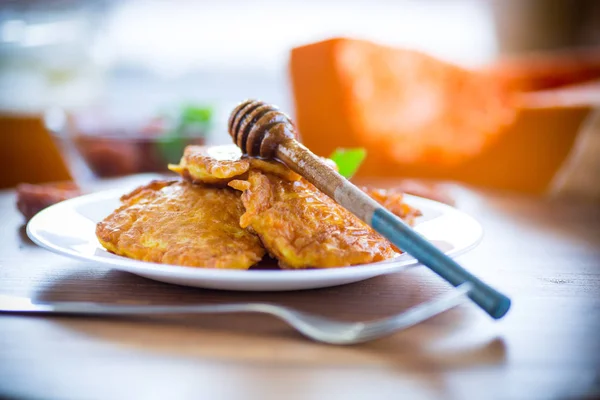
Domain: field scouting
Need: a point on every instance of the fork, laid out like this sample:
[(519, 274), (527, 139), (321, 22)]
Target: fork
[(315, 327)]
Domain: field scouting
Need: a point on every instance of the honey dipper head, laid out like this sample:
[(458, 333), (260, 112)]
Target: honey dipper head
[(257, 128)]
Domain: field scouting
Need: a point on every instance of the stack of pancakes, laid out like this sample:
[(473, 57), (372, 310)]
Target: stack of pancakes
[(228, 211)]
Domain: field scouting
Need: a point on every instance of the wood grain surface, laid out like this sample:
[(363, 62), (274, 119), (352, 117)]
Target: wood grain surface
[(544, 254)]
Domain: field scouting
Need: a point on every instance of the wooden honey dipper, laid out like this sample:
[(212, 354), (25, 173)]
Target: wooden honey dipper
[(261, 130)]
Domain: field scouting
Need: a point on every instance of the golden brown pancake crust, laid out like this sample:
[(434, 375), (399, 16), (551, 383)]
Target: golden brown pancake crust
[(217, 165), (180, 223), (302, 227), (198, 225)]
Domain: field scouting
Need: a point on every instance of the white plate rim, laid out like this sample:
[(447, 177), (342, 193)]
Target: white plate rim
[(144, 267)]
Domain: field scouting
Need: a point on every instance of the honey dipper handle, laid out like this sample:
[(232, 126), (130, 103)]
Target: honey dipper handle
[(312, 168), (305, 163)]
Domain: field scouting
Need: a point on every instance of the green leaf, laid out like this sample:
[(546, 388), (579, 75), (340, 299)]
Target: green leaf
[(194, 114), (194, 120), (171, 148), (348, 160), (187, 122)]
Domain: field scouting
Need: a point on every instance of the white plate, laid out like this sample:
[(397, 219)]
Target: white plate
[(68, 228)]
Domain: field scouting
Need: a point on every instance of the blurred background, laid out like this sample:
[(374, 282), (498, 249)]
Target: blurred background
[(145, 54), (140, 59)]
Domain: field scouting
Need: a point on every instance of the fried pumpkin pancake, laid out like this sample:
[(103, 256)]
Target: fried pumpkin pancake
[(183, 224), (302, 227), (217, 165)]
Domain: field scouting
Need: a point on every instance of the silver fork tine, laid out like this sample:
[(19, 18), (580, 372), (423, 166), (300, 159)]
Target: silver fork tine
[(416, 314), (345, 333)]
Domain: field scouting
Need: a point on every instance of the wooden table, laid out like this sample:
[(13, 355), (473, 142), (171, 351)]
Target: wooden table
[(545, 255)]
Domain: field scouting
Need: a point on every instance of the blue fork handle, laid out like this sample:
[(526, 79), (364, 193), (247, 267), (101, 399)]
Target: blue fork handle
[(396, 231), (311, 167)]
